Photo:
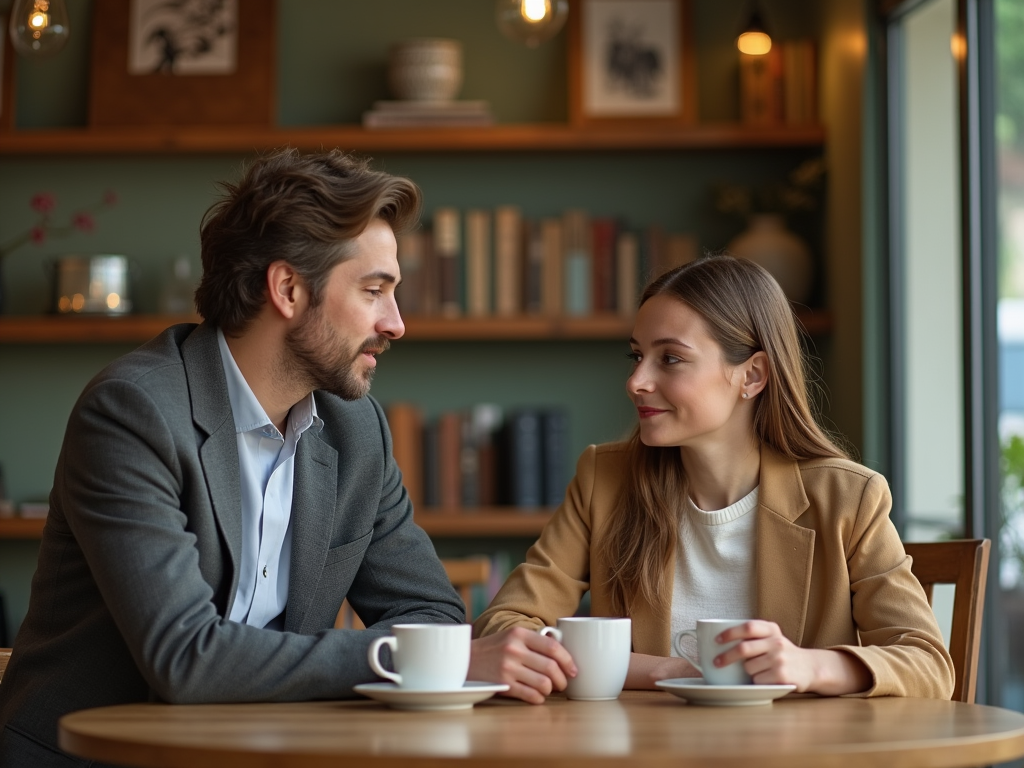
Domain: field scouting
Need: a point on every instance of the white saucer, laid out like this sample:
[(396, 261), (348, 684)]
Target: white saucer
[(696, 691), (409, 698)]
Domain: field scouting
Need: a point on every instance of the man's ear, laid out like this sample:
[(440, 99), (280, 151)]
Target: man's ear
[(756, 377), (285, 289)]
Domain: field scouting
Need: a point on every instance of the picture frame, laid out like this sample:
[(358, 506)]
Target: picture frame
[(147, 72), (631, 62)]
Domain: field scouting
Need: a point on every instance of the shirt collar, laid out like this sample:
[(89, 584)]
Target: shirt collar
[(246, 409)]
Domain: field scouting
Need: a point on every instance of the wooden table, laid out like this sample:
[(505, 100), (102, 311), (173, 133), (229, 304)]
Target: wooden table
[(640, 729)]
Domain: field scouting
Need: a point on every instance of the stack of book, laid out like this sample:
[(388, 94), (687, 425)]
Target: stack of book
[(780, 87), (483, 263), (481, 456), (417, 114)]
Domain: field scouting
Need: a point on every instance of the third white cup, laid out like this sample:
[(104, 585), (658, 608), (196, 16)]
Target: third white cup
[(707, 649)]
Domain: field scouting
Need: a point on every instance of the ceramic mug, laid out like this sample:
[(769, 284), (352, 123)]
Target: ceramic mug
[(427, 657), (600, 647), (708, 648)]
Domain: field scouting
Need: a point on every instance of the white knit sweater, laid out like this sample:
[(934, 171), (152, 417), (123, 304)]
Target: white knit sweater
[(714, 576)]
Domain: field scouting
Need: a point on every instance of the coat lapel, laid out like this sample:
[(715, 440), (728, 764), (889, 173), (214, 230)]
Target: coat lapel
[(784, 551), (313, 504), (211, 413)]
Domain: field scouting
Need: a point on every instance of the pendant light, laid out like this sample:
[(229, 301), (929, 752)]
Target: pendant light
[(754, 39), (39, 27), (531, 21)]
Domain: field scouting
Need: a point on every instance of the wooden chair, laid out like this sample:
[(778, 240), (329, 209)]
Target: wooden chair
[(5, 656), (963, 563), (464, 574)]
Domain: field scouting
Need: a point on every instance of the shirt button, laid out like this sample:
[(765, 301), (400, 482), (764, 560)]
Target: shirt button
[(264, 571)]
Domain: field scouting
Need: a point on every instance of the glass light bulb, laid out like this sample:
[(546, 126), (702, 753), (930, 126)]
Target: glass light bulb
[(39, 27), (754, 43), (531, 21), (535, 10)]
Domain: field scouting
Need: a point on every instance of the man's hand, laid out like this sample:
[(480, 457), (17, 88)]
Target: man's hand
[(531, 664), (771, 658)]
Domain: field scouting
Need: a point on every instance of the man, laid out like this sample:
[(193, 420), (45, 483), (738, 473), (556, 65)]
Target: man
[(222, 489)]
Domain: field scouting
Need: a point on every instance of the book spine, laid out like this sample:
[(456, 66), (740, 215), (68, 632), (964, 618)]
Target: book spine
[(761, 87), (406, 424), (429, 283), (431, 465), (525, 480), (478, 263), (627, 265), (507, 260), (551, 286), (448, 247), (486, 420), (603, 284), (533, 275), (409, 294), (469, 464), (449, 448), (554, 452), (578, 264)]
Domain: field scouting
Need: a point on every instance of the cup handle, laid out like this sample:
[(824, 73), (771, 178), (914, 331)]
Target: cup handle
[(373, 656), (682, 651), (551, 632)]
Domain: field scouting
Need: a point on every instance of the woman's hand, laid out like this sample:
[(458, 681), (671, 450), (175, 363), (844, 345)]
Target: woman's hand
[(770, 658), (532, 664)]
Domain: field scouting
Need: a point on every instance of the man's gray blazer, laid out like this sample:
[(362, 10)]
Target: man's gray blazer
[(139, 559)]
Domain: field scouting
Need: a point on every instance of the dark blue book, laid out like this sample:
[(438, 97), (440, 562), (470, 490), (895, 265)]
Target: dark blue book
[(521, 447), (554, 455)]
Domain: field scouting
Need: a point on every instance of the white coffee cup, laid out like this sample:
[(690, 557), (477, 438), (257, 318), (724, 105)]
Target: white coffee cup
[(427, 657), (708, 648), (600, 647)]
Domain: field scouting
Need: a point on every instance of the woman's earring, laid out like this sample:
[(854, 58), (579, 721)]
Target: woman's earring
[(745, 395)]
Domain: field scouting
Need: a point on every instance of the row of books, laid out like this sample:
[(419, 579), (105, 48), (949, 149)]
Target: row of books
[(481, 263), (481, 456), (781, 86)]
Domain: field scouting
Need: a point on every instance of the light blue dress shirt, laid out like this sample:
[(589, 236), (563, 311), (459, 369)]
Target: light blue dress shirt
[(266, 463)]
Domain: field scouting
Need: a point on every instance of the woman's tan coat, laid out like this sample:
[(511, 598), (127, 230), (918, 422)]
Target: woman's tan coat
[(830, 569)]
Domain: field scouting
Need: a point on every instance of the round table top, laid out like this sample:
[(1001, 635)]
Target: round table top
[(640, 728)]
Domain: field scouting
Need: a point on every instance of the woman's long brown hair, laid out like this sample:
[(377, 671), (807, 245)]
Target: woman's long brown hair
[(745, 311)]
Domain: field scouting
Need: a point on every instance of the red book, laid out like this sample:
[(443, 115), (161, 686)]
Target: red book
[(603, 231)]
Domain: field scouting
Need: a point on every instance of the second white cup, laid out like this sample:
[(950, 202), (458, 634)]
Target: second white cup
[(427, 657), (600, 647), (708, 648)]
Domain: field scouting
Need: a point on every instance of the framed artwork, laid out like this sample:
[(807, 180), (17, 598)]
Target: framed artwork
[(631, 61), (188, 62)]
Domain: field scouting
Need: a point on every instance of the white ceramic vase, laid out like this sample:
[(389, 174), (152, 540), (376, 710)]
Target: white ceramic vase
[(767, 242), (426, 69)]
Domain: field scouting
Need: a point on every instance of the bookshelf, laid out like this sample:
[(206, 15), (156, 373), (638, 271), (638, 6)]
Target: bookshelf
[(99, 329), (487, 521), (554, 137)]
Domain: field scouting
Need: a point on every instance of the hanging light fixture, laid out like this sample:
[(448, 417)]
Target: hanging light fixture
[(754, 39), (39, 27), (531, 21)]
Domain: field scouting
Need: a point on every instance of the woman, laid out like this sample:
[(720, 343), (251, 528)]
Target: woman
[(729, 501)]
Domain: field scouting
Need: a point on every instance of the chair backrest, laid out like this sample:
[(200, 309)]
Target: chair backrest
[(464, 574), (963, 563), (5, 656)]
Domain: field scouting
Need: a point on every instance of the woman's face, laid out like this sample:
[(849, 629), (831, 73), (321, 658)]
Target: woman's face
[(684, 391)]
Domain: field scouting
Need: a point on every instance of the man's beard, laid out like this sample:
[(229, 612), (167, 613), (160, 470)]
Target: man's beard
[(326, 361)]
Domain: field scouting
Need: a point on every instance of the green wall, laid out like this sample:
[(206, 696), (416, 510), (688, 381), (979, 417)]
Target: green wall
[(330, 72)]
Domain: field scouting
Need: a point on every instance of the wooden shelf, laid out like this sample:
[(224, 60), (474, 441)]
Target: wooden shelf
[(489, 521), (21, 527), (100, 329), (526, 137), (486, 521)]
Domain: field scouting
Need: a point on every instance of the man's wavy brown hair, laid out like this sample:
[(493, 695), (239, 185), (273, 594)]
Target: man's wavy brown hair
[(304, 209)]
